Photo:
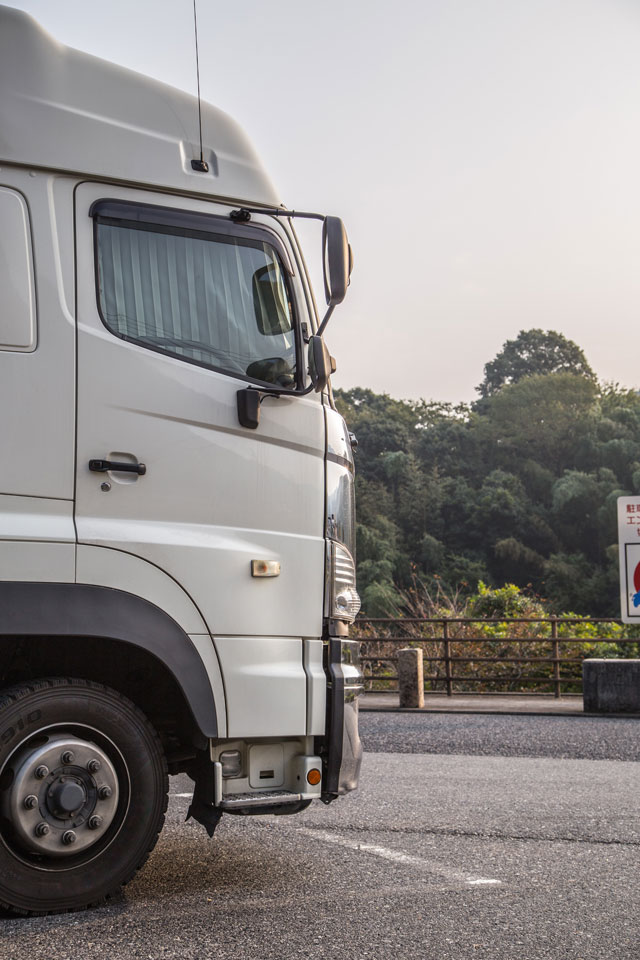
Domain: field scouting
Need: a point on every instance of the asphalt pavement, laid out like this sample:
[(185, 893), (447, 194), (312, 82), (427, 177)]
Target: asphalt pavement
[(470, 837), (572, 737)]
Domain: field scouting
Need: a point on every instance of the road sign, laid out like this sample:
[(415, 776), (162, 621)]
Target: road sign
[(629, 550)]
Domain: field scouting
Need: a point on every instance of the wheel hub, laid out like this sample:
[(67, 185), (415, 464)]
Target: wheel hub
[(63, 797), (66, 797)]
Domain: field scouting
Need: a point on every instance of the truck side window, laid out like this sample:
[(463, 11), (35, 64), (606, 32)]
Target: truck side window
[(18, 313), (216, 299)]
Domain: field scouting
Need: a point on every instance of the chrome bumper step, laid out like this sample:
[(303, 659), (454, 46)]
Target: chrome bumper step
[(275, 798)]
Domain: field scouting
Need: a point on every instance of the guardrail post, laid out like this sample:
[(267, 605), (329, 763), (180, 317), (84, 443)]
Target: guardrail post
[(556, 658), (447, 656), (411, 677)]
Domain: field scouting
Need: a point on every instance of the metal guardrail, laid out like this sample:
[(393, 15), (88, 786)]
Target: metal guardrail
[(442, 641)]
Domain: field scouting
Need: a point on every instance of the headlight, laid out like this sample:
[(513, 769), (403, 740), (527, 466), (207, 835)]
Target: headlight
[(344, 601), (341, 503)]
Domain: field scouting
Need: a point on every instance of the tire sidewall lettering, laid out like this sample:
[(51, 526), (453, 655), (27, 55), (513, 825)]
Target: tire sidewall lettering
[(19, 726)]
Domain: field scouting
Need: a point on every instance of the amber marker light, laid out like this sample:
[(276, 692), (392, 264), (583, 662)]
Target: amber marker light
[(265, 568), (314, 777)]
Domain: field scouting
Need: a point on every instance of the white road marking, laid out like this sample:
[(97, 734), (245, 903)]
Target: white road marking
[(181, 794), (398, 857)]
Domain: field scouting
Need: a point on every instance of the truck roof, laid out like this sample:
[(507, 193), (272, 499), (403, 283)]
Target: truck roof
[(61, 109)]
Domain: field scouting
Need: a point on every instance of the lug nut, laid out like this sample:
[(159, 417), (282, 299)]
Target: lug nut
[(94, 823), (42, 771), (30, 802), (105, 792), (42, 830), (68, 837), (68, 757), (93, 766)]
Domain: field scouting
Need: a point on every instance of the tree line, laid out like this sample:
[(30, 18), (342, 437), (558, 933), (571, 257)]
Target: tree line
[(518, 487)]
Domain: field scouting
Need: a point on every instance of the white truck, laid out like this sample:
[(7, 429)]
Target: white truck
[(176, 487)]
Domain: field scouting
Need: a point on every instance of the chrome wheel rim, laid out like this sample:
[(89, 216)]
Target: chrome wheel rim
[(64, 794)]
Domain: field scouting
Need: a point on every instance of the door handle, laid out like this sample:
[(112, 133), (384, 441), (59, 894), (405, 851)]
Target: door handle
[(101, 466)]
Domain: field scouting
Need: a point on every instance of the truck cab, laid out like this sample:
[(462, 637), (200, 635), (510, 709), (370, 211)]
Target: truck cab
[(177, 557)]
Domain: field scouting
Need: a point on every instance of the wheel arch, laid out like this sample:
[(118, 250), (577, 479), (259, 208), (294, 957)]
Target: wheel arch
[(51, 622)]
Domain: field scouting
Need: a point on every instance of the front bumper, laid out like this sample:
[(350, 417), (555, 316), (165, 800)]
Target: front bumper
[(342, 749)]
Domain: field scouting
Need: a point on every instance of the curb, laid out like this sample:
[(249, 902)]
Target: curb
[(464, 711)]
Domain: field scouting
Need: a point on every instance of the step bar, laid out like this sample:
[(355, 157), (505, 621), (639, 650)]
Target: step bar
[(270, 798), (245, 801)]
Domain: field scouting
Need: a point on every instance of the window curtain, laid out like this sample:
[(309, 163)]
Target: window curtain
[(174, 289)]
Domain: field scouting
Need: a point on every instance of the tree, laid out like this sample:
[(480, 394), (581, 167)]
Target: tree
[(549, 419), (533, 352), (521, 488)]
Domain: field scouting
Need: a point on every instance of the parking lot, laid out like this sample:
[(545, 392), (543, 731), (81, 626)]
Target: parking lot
[(471, 836)]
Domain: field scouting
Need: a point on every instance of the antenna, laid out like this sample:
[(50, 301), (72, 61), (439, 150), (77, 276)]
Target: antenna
[(200, 165)]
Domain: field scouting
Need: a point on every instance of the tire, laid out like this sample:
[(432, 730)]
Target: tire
[(83, 793)]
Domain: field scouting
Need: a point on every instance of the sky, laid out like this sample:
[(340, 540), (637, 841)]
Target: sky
[(484, 155)]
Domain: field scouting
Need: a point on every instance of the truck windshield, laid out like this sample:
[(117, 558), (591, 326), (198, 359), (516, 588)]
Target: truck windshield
[(219, 301)]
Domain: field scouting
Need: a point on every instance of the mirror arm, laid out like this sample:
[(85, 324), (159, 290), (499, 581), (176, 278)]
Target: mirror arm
[(325, 320), (243, 215)]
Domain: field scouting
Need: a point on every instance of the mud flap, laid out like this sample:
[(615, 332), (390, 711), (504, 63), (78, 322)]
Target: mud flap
[(202, 806)]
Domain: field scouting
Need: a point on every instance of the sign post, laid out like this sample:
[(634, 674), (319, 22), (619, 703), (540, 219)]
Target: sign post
[(629, 550)]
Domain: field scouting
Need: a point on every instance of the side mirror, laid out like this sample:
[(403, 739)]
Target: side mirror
[(321, 363), (337, 260)]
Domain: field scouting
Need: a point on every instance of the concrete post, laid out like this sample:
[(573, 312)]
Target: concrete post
[(411, 677)]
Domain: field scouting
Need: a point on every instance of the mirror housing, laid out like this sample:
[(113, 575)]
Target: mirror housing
[(321, 363), (248, 403), (337, 260)]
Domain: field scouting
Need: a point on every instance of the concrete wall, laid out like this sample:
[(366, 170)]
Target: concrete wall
[(611, 686)]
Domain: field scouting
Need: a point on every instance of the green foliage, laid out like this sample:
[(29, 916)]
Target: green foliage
[(381, 599), (533, 352), (507, 601), (519, 488)]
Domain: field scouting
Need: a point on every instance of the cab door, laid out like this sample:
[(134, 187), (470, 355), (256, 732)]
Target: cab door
[(178, 309)]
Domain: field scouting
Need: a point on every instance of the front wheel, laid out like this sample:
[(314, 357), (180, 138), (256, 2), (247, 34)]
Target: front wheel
[(83, 792)]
